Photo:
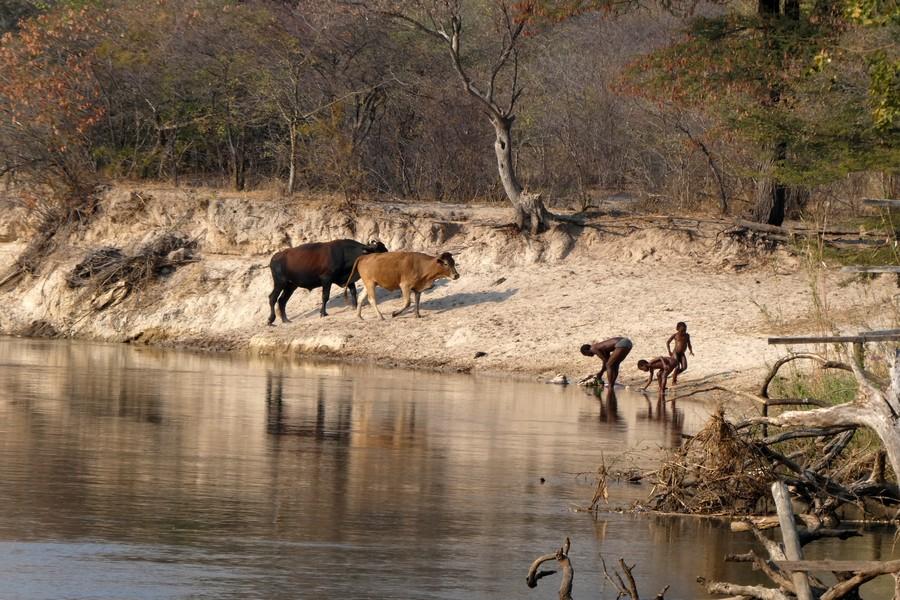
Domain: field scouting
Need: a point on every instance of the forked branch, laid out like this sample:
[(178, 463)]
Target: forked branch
[(562, 557)]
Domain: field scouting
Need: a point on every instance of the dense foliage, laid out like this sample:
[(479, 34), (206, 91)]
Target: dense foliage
[(317, 95), (823, 80)]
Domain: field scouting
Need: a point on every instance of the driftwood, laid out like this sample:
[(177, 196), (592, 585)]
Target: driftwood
[(724, 468), (875, 407), (562, 557), (106, 269), (792, 576), (790, 538), (624, 582)]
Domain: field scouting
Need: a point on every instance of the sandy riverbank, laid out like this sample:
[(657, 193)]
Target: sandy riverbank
[(528, 303)]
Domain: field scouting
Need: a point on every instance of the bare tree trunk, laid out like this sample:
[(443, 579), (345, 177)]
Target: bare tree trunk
[(292, 166), (873, 407), (529, 208), (772, 198)]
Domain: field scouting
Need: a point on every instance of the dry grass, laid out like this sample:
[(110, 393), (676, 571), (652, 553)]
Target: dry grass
[(715, 472)]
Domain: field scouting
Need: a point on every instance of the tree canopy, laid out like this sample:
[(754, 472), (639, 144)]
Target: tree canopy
[(678, 101)]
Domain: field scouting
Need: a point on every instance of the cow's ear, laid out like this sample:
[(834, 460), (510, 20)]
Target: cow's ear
[(442, 260)]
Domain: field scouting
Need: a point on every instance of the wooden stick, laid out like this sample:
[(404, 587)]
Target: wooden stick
[(883, 567), (872, 269), (746, 591), (789, 537), (768, 523), (836, 339), (881, 202), (843, 588), (823, 362), (632, 586), (762, 227)]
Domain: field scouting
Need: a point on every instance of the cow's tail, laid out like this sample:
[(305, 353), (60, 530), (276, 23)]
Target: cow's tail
[(352, 273)]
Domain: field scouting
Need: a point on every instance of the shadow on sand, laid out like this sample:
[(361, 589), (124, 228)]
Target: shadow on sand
[(467, 299), (437, 305)]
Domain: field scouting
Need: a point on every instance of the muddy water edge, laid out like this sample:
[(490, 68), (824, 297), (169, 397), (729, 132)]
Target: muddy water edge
[(141, 473)]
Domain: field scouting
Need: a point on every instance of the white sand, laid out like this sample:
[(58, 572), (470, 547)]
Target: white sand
[(528, 303)]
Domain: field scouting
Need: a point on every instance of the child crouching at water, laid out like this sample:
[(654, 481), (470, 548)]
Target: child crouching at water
[(611, 352), (663, 365)]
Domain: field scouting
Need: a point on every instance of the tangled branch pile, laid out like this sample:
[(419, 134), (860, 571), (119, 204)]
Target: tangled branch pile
[(716, 471), (725, 469), (827, 456), (107, 268)]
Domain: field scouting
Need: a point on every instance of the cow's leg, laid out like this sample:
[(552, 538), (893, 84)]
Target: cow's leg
[(370, 293), (418, 300), (404, 289), (289, 289), (326, 293), (279, 282), (362, 300), (273, 298), (353, 299)]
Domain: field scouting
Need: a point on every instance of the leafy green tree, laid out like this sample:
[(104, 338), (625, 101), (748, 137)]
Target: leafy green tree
[(812, 86)]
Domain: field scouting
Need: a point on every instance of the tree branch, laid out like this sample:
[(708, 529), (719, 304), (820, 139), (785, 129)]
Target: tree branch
[(750, 591), (562, 557), (825, 364), (843, 588)]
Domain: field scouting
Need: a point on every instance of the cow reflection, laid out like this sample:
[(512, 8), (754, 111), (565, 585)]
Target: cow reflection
[(297, 420)]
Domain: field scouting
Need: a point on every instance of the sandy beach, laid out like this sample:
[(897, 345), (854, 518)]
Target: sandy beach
[(523, 304)]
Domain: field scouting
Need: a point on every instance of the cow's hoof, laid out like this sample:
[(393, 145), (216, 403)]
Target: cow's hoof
[(286, 321)]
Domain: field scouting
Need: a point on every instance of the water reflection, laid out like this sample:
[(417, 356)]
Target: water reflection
[(173, 475)]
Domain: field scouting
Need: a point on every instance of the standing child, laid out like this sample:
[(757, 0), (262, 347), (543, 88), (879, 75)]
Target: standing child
[(682, 343)]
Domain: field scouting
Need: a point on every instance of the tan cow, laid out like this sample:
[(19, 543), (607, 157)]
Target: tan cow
[(406, 271)]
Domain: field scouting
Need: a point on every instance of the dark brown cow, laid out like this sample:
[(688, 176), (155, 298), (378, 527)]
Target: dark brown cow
[(406, 271), (319, 264)]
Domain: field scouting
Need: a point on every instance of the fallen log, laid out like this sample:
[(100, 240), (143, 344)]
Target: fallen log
[(830, 566)]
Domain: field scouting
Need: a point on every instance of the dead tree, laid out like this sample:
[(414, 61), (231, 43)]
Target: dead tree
[(876, 406), (625, 585), (446, 26)]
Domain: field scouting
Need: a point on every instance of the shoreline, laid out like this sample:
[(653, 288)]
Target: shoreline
[(527, 302)]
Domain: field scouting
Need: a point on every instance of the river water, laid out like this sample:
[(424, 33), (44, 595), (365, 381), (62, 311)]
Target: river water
[(135, 473)]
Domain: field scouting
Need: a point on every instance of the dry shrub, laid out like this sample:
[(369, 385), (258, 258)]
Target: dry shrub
[(107, 267), (715, 472)]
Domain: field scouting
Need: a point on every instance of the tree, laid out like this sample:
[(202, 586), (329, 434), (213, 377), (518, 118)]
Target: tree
[(798, 81), (876, 406), (49, 99), (443, 22)]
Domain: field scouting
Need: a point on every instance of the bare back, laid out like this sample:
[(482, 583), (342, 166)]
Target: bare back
[(682, 341)]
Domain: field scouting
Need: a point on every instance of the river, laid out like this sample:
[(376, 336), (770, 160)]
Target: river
[(137, 473)]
